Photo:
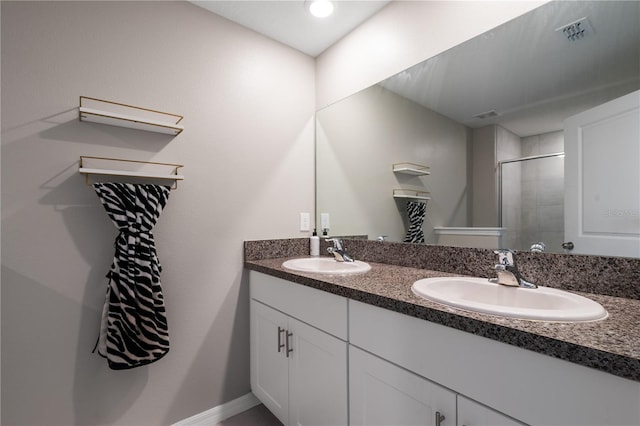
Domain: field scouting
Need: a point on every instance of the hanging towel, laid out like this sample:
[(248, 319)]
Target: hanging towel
[(415, 212), (133, 330)]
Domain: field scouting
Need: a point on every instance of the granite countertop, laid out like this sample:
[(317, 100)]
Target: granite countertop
[(611, 345)]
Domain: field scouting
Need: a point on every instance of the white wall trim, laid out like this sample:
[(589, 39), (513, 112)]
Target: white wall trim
[(221, 412)]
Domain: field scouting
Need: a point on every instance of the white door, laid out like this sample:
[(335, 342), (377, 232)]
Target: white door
[(602, 179), (317, 377), (269, 364), (470, 413), (384, 394)]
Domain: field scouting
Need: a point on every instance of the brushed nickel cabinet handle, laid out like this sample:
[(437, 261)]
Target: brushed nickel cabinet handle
[(289, 349), (280, 344)]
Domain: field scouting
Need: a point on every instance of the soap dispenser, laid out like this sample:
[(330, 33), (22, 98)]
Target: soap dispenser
[(314, 244)]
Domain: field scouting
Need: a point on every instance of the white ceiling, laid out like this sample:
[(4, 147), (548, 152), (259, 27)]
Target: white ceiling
[(289, 22)]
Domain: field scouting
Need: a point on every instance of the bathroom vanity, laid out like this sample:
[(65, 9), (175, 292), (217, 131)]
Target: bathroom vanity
[(363, 349)]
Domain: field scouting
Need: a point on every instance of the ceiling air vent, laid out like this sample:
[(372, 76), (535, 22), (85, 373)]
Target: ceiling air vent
[(485, 115), (576, 30)]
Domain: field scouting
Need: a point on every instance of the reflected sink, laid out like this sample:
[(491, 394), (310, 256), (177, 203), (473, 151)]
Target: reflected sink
[(326, 265), (481, 295)]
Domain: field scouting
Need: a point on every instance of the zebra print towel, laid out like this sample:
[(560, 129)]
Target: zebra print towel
[(133, 330), (416, 211)]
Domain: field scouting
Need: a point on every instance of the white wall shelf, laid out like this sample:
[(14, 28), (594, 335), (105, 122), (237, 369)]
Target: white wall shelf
[(104, 166), (123, 115), (411, 194), (411, 169)]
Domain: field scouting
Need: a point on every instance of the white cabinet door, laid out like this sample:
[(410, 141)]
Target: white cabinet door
[(297, 371), (269, 365), (384, 394), (317, 377), (470, 413)]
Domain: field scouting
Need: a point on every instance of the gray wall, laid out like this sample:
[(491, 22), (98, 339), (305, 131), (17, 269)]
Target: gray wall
[(248, 104), (483, 170)]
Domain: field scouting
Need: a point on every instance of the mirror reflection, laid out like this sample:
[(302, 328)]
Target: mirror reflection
[(478, 133)]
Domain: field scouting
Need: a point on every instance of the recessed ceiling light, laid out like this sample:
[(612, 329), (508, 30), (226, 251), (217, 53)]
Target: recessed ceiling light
[(320, 8)]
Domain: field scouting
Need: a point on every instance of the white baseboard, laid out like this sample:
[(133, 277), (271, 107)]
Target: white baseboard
[(221, 412)]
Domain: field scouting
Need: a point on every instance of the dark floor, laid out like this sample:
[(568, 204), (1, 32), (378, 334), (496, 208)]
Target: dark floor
[(257, 416)]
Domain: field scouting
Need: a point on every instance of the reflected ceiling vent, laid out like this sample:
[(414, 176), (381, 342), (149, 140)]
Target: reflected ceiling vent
[(576, 30), (485, 115)]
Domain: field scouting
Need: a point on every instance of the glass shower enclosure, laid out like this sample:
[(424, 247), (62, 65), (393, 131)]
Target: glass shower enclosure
[(531, 198)]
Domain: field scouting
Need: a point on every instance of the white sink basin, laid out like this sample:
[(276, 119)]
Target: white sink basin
[(326, 265), (480, 295)]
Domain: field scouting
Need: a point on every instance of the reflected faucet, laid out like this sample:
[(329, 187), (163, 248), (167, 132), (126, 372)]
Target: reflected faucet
[(507, 270), (338, 251), (538, 247)]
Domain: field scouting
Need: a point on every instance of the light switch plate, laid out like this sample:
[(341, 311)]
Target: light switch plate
[(324, 221), (305, 221)]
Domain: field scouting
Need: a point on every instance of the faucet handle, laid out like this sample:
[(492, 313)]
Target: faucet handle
[(337, 243), (505, 257)]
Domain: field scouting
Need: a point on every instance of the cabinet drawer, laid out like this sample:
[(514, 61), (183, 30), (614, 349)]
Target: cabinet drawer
[(320, 309)]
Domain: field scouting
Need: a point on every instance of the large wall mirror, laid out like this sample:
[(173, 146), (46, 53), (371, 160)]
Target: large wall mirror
[(478, 134)]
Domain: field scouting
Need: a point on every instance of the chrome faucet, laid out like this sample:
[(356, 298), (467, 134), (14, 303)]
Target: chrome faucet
[(507, 270), (338, 251)]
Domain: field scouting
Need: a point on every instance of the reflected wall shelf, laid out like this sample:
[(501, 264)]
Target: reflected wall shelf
[(411, 169), (105, 166), (411, 194), (123, 115)]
